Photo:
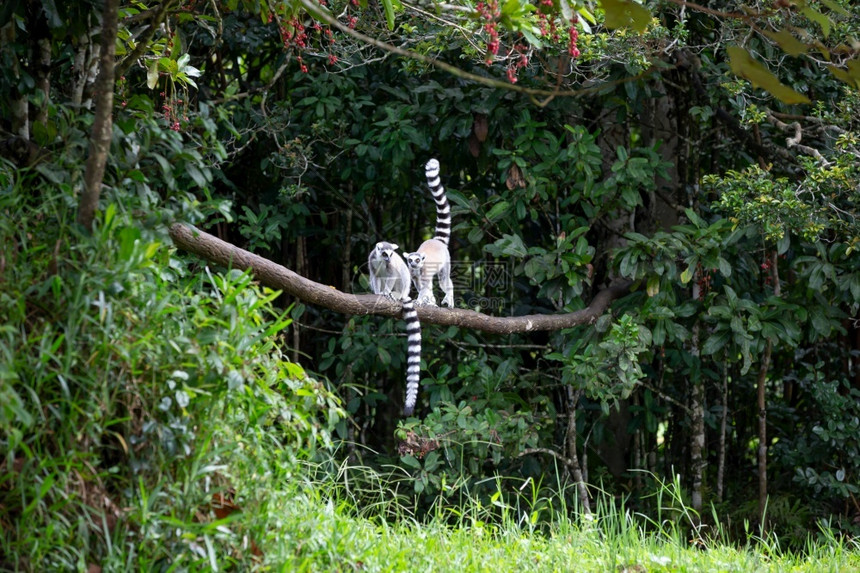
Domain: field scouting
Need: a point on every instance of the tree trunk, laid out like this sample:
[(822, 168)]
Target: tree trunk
[(576, 469), (721, 455), (40, 58), (18, 106), (697, 413), (762, 404), (762, 435), (103, 122)]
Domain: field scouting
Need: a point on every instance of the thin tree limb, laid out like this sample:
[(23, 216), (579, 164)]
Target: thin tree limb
[(276, 276)]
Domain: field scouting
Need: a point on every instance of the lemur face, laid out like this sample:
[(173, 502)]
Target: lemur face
[(415, 260), (385, 251)]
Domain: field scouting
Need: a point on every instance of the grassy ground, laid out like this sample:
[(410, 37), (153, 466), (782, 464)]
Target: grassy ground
[(309, 532)]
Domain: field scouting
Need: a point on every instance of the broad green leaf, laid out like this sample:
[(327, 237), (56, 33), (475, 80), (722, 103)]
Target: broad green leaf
[(818, 18), (715, 342), (834, 6), (745, 66), (510, 7), (388, 5), (626, 14), (789, 44), (851, 76), (498, 210), (687, 275)]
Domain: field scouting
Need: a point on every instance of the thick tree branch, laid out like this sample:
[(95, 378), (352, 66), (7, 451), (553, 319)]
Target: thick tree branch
[(276, 276)]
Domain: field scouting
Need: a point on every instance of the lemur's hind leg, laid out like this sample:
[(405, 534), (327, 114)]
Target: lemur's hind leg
[(446, 285), (425, 294)]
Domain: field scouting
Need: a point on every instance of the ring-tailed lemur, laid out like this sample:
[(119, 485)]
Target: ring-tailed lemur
[(432, 257), (389, 276)]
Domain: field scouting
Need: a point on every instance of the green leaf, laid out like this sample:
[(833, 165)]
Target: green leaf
[(818, 18), (384, 356), (834, 6), (475, 235), (196, 175), (687, 275), (789, 44), (653, 287), (152, 75), (851, 76), (626, 14), (745, 66), (510, 7), (388, 5), (565, 9), (498, 210)]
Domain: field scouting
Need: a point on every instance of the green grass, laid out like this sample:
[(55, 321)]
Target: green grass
[(308, 531)]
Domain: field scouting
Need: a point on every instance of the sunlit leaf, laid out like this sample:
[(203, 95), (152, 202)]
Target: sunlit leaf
[(745, 66), (653, 287), (818, 18), (152, 75), (834, 6), (850, 76), (789, 44), (388, 5), (626, 14), (687, 275)]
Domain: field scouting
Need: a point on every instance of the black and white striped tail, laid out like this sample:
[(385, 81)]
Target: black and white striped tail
[(413, 355), (443, 210)]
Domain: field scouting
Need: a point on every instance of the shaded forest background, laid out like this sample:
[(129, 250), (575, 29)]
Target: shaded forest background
[(578, 151)]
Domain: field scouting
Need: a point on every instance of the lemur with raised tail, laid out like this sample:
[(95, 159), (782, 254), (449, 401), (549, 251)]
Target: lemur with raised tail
[(389, 276), (432, 257)]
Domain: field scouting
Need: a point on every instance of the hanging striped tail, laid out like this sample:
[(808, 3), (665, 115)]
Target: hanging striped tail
[(443, 210), (413, 355)]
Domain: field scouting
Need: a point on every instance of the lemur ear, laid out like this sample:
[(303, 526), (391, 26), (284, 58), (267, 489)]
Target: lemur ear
[(394, 247), (379, 246)]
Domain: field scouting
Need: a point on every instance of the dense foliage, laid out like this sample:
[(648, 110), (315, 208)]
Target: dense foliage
[(136, 383)]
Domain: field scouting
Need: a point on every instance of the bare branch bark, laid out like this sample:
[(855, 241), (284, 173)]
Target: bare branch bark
[(794, 140), (276, 276), (103, 122)]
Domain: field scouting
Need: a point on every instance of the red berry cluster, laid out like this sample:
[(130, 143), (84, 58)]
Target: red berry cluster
[(574, 37), (768, 274), (704, 281), (295, 35), (489, 12), (517, 62), (171, 108), (545, 20)]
